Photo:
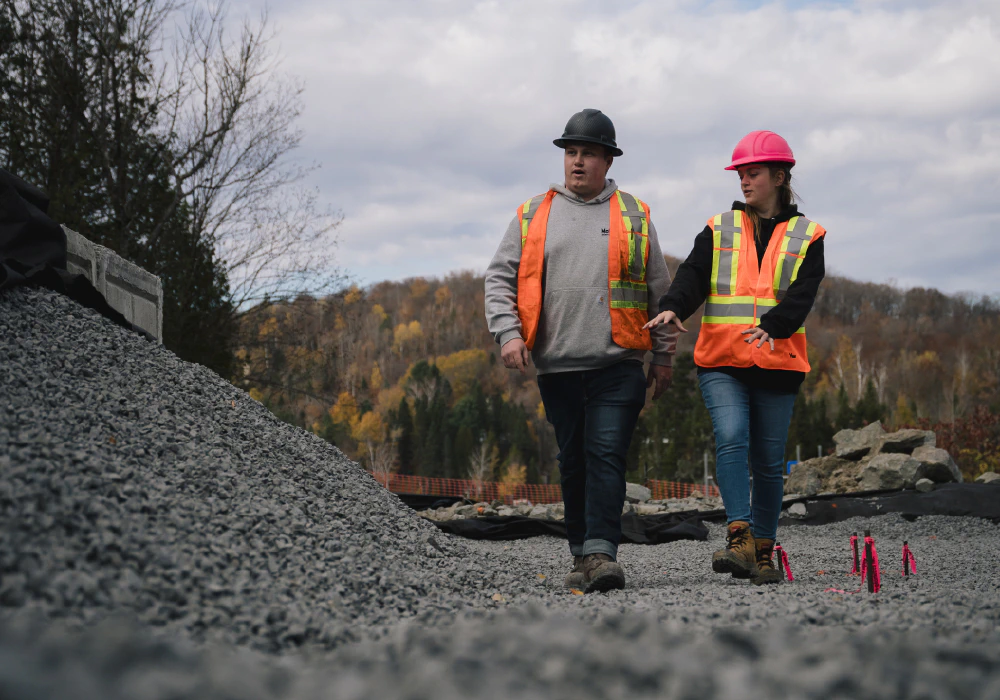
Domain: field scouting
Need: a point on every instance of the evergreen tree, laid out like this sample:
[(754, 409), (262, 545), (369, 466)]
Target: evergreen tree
[(404, 423), (845, 414), (868, 408)]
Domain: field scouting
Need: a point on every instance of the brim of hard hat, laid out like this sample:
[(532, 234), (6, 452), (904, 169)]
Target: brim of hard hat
[(562, 143), (750, 161)]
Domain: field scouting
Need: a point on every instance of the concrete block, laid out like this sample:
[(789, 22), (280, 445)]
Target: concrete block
[(133, 291)]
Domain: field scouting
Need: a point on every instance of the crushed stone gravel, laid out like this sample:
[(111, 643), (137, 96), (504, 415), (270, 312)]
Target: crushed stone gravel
[(162, 535)]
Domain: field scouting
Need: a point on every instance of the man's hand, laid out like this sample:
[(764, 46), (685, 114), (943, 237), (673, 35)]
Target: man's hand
[(662, 375), (760, 335), (665, 318), (515, 355)]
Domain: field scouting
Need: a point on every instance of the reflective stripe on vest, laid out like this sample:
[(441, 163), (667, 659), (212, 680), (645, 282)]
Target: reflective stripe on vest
[(792, 252), (629, 295), (528, 210), (634, 218), (739, 311), (727, 237)]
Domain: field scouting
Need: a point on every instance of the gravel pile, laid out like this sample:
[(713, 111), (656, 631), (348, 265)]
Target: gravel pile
[(130, 480), (164, 536)]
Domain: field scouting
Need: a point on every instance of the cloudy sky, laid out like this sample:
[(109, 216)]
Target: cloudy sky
[(433, 119)]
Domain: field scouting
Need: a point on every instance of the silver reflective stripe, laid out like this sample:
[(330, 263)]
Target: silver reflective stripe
[(796, 243), (716, 309), (625, 295), (532, 207), (728, 231), (634, 211), (637, 271)]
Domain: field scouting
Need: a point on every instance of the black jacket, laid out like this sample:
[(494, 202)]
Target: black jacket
[(691, 286)]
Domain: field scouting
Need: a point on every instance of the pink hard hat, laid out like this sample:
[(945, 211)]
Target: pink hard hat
[(761, 147)]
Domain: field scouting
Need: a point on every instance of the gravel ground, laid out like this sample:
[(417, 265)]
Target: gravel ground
[(163, 536)]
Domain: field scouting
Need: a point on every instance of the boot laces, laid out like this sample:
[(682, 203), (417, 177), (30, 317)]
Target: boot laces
[(735, 538), (764, 559)]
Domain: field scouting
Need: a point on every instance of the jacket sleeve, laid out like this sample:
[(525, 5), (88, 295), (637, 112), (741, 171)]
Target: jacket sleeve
[(790, 313), (690, 287), (501, 287), (657, 281)]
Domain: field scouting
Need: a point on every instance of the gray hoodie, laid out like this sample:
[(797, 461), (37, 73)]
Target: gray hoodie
[(574, 332)]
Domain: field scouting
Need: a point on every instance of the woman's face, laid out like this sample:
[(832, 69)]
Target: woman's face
[(760, 185)]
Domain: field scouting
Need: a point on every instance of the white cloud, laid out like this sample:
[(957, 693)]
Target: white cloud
[(433, 120)]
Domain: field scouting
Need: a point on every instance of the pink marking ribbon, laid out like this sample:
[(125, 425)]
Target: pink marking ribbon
[(854, 555), (908, 559), (878, 577), (782, 555)]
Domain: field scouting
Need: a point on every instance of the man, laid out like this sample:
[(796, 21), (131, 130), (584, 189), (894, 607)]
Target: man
[(570, 284)]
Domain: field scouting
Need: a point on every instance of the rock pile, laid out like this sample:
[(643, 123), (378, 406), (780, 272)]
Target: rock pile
[(637, 502), (133, 481), (871, 459)]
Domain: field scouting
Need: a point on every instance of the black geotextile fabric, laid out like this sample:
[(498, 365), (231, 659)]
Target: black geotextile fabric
[(974, 500), (647, 529), (33, 249)]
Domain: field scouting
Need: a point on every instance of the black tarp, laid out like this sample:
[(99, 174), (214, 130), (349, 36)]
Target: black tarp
[(974, 500), (648, 529), (33, 249)]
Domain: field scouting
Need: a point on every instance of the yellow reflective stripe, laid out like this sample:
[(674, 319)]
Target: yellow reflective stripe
[(737, 245), (627, 284), (716, 299), (729, 320), (766, 302), (524, 222), (795, 270), (716, 244), (781, 262)]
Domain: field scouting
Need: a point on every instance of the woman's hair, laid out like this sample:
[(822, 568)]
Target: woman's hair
[(787, 196)]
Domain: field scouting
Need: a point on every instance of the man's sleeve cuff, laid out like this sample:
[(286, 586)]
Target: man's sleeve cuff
[(508, 336), (664, 359)]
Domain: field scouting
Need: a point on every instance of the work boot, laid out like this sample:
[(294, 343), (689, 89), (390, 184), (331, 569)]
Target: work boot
[(766, 573), (575, 578), (602, 573), (739, 557)]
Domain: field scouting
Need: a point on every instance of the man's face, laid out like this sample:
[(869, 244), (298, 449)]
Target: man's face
[(586, 166)]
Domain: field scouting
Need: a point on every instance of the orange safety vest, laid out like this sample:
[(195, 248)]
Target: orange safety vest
[(628, 253), (741, 292)]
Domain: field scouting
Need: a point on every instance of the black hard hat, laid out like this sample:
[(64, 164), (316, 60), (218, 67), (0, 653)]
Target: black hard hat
[(591, 126)]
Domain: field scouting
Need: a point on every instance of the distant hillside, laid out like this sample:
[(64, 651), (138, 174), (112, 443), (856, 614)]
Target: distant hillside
[(410, 366)]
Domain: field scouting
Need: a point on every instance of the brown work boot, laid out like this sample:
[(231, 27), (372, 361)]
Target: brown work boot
[(576, 578), (602, 573), (739, 557), (766, 573)]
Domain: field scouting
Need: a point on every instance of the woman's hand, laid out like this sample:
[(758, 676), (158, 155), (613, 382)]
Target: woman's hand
[(665, 318), (760, 335)]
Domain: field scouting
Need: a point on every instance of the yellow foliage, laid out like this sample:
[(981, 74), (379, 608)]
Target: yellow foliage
[(405, 333), (369, 428), (339, 323), (514, 475), (379, 312), (268, 328), (255, 394), (388, 399), (540, 411), (376, 379), (904, 414), (353, 295), (419, 288), (345, 411), (462, 368), (442, 296)]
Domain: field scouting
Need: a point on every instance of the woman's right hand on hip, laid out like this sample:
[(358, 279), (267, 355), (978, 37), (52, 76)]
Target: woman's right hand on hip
[(664, 318)]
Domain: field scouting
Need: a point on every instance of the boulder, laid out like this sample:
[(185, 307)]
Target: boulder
[(648, 509), (539, 512), (906, 441), (937, 465), (988, 478), (628, 508), (889, 471), (797, 510), (637, 493), (804, 479), (855, 444), (925, 485)]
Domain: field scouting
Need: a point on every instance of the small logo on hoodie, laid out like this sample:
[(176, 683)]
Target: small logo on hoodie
[(605, 232)]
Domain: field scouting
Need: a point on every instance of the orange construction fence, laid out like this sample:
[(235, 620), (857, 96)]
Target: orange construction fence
[(508, 493)]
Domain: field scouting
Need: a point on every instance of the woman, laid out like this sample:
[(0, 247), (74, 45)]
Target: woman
[(757, 268)]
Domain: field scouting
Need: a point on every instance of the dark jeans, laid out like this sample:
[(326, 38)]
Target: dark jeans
[(594, 413), (751, 425)]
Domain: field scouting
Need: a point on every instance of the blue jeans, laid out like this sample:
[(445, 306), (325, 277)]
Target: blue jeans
[(594, 413), (751, 425)]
